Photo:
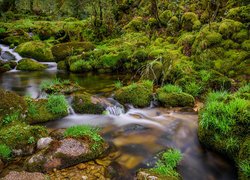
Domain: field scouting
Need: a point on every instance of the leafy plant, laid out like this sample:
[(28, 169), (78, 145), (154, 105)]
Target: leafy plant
[(10, 118), (85, 131), (193, 88), (118, 84), (31, 140), (168, 162), (245, 168), (57, 104), (5, 151)]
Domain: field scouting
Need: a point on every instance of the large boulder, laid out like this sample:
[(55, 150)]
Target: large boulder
[(63, 153), (138, 94), (86, 104), (25, 176), (62, 51), (7, 66), (30, 65), (37, 50)]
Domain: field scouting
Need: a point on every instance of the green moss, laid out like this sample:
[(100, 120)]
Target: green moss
[(17, 136), (239, 14), (5, 152), (190, 21), (80, 66), (11, 103), (246, 45), (62, 51), (59, 86), (174, 99), (229, 44), (38, 111), (240, 36), (165, 16), (83, 103), (86, 131), (135, 25), (140, 55), (57, 105), (15, 40), (61, 65), (228, 27), (30, 65), (138, 94), (244, 160), (37, 50)]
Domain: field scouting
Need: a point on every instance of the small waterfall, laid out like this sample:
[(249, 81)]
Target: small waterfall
[(52, 66), (12, 51), (71, 111), (115, 110)]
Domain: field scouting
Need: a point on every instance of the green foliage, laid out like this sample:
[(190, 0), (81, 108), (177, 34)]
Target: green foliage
[(84, 131), (10, 118), (167, 163), (193, 88), (118, 84), (80, 66), (169, 88), (190, 21), (57, 104), (31, 140), (5, 152), (245, 168)]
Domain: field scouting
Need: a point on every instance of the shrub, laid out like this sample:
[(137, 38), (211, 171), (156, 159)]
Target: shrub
[(83, 131), (5, 152), (167, 163), (57, 104)]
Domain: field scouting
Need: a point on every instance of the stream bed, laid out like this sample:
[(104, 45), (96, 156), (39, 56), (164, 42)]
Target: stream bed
[(139, 134)]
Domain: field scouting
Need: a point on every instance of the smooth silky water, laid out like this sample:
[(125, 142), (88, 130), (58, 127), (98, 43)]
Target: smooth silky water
[(138, 134)]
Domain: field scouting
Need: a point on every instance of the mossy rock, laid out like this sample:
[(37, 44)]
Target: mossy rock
[(61, 65), (37, 50), (85, 104), (62, 51), (4, 67), (21, 136), (30, 65), (80, 66), (11, 103), (175, 99), (38, 112), (138, 94), (15, 40)]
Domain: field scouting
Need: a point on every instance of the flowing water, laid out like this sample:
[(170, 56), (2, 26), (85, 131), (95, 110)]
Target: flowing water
[(138, 134)]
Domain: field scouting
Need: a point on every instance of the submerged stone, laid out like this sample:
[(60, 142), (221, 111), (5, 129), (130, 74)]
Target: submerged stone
[(25, 176)]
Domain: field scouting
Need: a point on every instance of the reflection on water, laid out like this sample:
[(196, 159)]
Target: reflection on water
[(28, 83), (141, 133)]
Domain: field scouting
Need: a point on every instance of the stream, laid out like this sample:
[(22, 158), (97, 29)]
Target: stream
[(138, 134)]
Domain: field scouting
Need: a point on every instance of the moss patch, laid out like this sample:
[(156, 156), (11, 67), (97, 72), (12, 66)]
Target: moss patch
[(30, 65)]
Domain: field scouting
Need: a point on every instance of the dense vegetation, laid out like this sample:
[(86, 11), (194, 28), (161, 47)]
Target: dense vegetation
[(182, 50)]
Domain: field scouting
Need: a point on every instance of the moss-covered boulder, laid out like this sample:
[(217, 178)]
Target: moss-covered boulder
[(81, 144), (61, 65), (62, 51), (172, 96), (39, 110), (4, 67), (37, 50), (59, 86), (11, 103), (30, 65), (138, 94), (175, 99), (21, 138), (86, 104)]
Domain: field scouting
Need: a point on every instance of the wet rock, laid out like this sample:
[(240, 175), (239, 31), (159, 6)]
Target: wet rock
[(62, 154), (44, 142), (85, 103), (57, 134), (8, 56), (13, 175)]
